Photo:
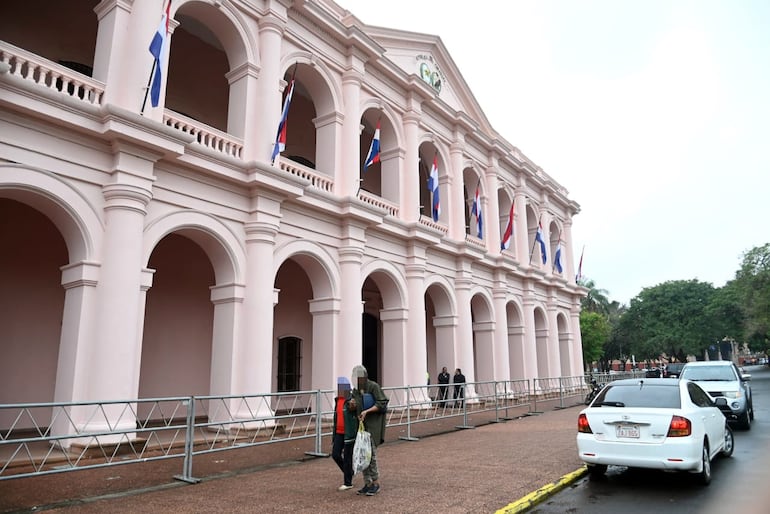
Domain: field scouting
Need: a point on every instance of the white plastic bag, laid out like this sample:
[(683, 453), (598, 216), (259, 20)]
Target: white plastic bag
[(362, 449)]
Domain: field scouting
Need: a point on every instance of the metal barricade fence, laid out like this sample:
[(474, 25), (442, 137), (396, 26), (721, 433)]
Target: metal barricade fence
[(45, 438)]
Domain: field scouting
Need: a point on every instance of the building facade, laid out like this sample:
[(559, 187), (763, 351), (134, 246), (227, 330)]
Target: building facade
[(153, 251)]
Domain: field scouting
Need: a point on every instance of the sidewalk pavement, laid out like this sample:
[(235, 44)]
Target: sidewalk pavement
[(502, 467)]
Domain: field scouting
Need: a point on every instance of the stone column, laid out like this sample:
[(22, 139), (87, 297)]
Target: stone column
[(348, 175), (484, 334), (520, 230), (446, 334), (456, 187), (415, 345), (348, 348), (253, 357), (530, 337), (545, 218), (410, 178), (492, 211), (268, 99), (125, 79), (228, 309), (502, 358), (395, 370), (569, 255), (242, 104), (77, 341), (464, 336), (115, 358), (554, 348), (325, 312), (577, 341)]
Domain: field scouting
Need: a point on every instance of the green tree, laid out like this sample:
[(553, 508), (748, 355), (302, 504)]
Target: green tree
[(596, 299), (671, 318), (752, 288), (726, 311), (594, 331)]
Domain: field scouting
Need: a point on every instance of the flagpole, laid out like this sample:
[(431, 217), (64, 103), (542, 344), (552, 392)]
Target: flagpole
[(154, 63), (534, 242), (553, 264), (147, 89), (283, 106), (580, 265)]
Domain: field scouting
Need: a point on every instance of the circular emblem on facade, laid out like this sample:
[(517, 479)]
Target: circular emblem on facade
[(429, 72)]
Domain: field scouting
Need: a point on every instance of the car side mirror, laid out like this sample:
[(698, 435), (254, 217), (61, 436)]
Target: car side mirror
[(720, 402), (745, 377)]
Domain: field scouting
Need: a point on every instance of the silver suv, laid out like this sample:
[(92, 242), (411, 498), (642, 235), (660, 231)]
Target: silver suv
[(723, 379)]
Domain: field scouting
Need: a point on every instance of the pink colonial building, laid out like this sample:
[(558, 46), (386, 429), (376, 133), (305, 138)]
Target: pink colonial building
[(152, 251)]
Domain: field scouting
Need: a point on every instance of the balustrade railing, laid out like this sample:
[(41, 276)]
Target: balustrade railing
[(317, 180), (205, 135), (50, 75), (380, 203)]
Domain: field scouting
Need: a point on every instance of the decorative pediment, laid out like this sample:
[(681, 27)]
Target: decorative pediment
[(426, 57)]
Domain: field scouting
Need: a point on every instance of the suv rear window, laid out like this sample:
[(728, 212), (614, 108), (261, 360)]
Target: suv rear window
[(641, 395), (719, 373), (674, 367)]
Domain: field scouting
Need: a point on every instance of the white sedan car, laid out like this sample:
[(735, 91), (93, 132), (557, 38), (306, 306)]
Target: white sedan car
[(659, 423)]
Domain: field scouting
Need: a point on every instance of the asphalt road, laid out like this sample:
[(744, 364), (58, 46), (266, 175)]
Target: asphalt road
[(739, 485)]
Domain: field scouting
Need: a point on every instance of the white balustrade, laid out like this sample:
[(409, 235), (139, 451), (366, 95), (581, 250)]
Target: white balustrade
[(317, 180), (206, 136), (428, 222), (42, 72), (475, 241), (378, 202)]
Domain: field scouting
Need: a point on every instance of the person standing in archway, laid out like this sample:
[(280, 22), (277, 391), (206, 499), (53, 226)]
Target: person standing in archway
[(443, 385), (459, 383)]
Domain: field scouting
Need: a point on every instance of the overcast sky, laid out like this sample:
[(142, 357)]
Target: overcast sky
[(654, 114)]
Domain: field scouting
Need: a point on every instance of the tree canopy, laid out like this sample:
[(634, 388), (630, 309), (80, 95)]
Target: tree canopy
[(671, 318), (752, 292), (594, 330), (679, 318)]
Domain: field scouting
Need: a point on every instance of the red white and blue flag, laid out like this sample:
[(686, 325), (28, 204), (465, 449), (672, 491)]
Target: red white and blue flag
[(476, 211), (433, 187), (557, 259), (540, 239), (374, 149), (280, 138), (159, 50), (505, 241)]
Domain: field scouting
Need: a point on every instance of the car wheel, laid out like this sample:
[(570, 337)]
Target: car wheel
[(596, 471), (705, 474), (729, 446), (745, 421), (751, 411)]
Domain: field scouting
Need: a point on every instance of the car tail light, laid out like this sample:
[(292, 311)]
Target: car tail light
[(583, 425), (679, 427)]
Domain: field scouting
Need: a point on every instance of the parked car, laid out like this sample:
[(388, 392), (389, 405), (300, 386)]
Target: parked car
[(724, 379), (652, 373), (657, 423), (673, 369)]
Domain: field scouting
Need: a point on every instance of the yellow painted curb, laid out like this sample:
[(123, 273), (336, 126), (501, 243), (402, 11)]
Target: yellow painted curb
[(541, 494)]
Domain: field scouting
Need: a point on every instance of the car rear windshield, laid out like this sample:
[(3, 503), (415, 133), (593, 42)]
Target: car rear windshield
[(721, 373), (641, 395)]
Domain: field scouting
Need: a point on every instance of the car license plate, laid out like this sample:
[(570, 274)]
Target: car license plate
[(627, 431)]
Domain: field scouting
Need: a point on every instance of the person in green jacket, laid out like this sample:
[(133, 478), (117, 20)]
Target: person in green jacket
[(371, 405)]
